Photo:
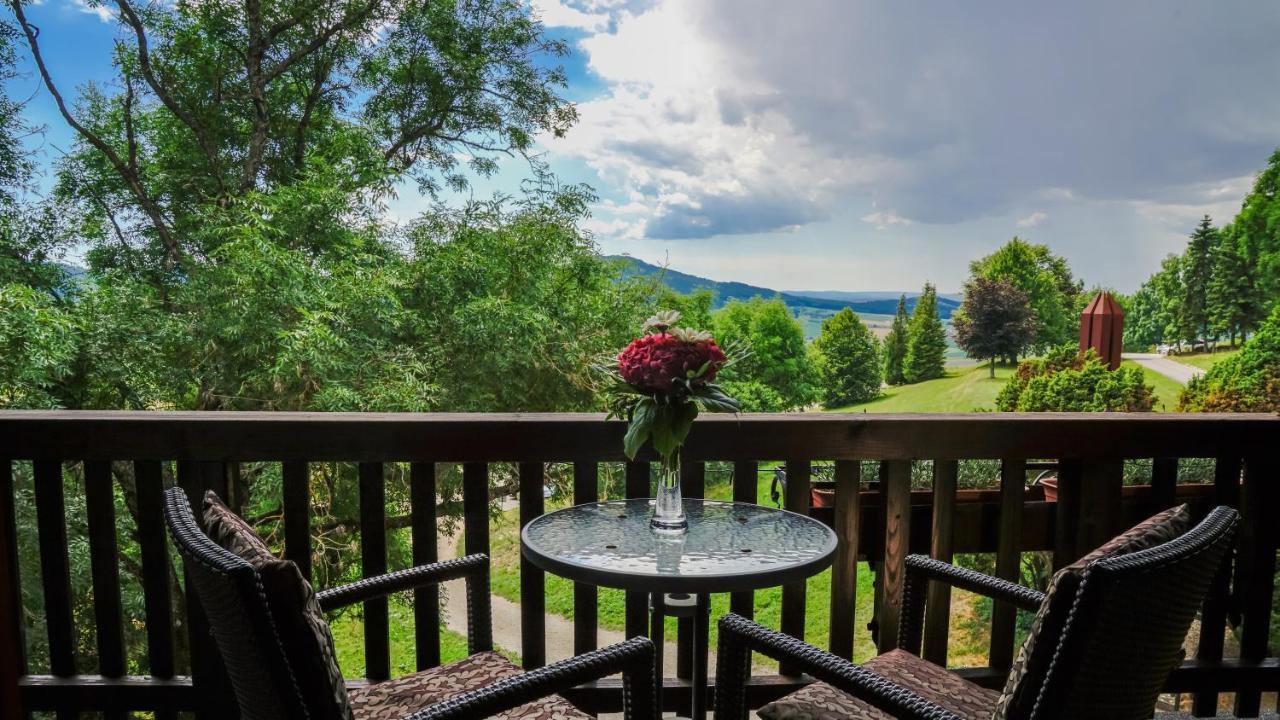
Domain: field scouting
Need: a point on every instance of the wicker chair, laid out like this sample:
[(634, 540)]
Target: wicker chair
[(1106, 637), (271, 682)]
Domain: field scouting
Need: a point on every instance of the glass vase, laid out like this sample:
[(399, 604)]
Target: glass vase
[(668, 507)]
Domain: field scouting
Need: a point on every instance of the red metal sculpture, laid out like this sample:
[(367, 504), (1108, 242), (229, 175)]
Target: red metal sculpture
[(1102, 328)]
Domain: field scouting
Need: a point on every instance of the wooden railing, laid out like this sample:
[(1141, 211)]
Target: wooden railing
[(879, 518)]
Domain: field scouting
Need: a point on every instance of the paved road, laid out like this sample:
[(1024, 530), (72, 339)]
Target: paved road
[(1171, 369)]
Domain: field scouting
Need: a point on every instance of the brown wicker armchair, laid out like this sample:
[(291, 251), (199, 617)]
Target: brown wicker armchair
[(1105, 638), (278, 651)]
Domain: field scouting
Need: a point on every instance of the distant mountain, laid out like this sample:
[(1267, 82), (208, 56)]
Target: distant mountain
[(823, 302)]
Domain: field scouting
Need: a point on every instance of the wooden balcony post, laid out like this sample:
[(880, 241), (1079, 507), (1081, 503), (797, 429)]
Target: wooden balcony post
[(12, 637), (896, 491), (937, 608)]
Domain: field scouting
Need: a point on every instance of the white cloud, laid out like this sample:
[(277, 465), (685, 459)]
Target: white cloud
[(1032, 220), (882, 219), (103, 13), (556, 13)]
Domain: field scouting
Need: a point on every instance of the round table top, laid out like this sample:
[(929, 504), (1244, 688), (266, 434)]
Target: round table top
[(729, 547)]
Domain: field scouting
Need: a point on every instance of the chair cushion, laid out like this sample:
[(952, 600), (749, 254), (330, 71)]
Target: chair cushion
[(398, 698), (299, 621), (1028, 672), (820, 701)]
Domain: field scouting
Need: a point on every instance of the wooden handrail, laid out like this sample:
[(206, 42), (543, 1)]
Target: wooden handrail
[(532, 437)]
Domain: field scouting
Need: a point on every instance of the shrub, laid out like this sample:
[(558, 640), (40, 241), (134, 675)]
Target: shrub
[(1249, 381), (1068, 381)]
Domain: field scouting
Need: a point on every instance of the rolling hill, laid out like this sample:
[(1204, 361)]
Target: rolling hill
[(863, 303)]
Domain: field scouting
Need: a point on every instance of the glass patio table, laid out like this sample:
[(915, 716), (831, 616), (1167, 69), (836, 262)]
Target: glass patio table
[(728, 547)]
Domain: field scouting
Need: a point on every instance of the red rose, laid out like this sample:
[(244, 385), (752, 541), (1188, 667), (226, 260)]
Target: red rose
[(653, 362)]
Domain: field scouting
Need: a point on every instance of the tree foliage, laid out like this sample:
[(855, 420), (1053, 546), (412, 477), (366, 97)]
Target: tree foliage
[(995, 320), (848, 359), (777, 373), (1066, 380), (1197, 266), (926, 355), (895, 345), (1052, 290)]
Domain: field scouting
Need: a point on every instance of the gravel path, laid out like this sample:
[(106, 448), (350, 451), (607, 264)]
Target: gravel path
[(1171, 369)]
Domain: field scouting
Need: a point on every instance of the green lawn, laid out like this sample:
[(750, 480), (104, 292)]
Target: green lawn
[(964, 389), (348, 640), (1167, 391), (1203, 360)]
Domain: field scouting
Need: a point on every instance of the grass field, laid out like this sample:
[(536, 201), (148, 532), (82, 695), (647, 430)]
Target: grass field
[(963, 389), (1204, 361), (1167, 391), (348, 640)]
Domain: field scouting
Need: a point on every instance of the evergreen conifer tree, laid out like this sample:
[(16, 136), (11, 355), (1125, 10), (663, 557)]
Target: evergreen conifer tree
[(895, 345), (1230, 288), (848, 360), (926, 340), (1197, 272)]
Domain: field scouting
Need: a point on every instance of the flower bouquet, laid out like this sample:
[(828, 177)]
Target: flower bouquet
[(658, 384)]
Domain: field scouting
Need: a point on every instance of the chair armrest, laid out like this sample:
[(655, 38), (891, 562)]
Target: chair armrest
[(740, 636), (921, 569), (1019, 596), (384, 585), (475, 568), (633, 658)]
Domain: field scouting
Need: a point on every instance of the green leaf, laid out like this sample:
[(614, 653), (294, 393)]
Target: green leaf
[(713, 398), (642, 420)]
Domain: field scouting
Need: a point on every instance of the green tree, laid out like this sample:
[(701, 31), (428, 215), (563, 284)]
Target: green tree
[(848, 360), (995, 320), (895, 345), (926, 340), (1231, 293), (1197, 271), (216, 104), (1046, 279), (1257, 229), (777, 373)]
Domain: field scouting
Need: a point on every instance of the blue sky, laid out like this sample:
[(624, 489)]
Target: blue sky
[(860, 146)]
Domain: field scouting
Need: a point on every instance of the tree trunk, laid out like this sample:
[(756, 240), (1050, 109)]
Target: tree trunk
[(993, 366)]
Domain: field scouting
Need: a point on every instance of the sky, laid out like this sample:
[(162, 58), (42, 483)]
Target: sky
[(873, 146)]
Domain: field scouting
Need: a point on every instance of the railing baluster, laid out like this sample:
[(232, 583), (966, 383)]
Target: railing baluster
[(213, 692), (1256, 567), (55, 570), (13, 661), (586, 489), (297, 515), (1213, 617), (746, 479), (937, 608), (105, 571), (793, 595), (844, 569), (1013, 479), (156, 571), (637, 611), (426, 600), (1164, 484), (896, 491), (373, 562), (533, 596)]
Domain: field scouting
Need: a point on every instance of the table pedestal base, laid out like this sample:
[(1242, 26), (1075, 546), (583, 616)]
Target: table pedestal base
[(698, 609)]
